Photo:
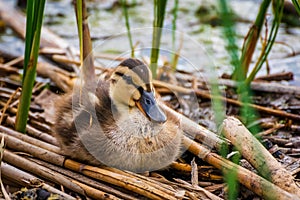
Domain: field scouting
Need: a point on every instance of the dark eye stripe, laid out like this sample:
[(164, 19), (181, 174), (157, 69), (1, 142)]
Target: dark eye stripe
[(119, 73), (127, 79)]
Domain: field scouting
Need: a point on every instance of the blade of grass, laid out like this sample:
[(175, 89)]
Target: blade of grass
[(232, 49), (35, 11), (229, 34), (297, 5), (126, 15), (159, 15)]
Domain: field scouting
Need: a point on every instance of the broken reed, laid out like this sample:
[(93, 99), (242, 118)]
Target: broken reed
[(250, 42), (34, 20), (268, 42), (127, 24)]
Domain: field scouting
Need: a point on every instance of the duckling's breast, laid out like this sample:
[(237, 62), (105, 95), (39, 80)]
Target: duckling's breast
[(136, 144)]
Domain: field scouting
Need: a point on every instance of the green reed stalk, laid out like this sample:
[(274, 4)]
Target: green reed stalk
[(78, 11), (159, 15), (250, 42), (126, 15), (35, 12), (232, 49), (278, 11), (175, 56), (86, 53), (297, 5)]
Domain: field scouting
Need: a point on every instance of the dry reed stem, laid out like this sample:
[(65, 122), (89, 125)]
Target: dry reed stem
[(8, 103), (83, 179), (57, 75), (206, 95), (252, 181), (129, 183), (199, 189), (181, 167), (19, 145), (34, 132), (258, 155), (54, 176), (44, 172), (28, 180), (265, 87), (30, 140), (163, 187), (94, 193), (16, 20)]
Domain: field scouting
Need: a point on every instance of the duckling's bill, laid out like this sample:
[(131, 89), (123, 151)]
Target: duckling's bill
[(149, 107)]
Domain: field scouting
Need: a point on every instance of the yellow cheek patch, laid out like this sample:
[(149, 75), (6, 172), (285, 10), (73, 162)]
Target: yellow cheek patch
[(136, 95), (131, 103)]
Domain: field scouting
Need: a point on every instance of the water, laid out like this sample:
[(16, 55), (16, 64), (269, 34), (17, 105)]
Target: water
[(203, 45)]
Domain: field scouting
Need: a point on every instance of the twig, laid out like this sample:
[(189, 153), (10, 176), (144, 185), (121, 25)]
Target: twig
[(7, 104)]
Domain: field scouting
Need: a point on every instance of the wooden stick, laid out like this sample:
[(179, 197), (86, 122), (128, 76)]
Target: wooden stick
[(27, 180), (8, 103), (287, 76), (34, 168), (59, 76), (126, 182), (53, 176), (94, 193), (16, 20), (265, 87), (19, 145), (258, 155), (206, 95), (130, 183), (252, 181), (30, 140), (85, 180), (163, 187), (34, 132)]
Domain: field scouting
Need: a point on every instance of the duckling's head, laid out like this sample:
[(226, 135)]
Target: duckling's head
[(131, 87)]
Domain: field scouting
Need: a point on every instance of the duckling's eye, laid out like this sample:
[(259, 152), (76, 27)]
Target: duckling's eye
[(148, 101)]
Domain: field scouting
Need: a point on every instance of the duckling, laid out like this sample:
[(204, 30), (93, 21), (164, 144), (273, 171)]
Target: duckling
[(119, 125)]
